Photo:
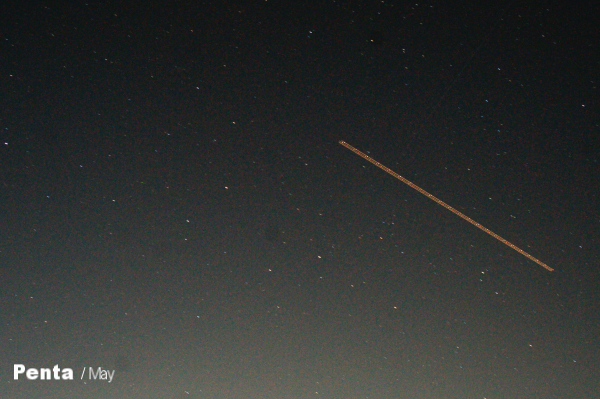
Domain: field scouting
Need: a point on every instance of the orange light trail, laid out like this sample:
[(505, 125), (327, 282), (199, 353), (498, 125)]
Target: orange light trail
[(442, 203)]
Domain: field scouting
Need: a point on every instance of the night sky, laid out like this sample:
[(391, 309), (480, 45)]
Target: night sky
[(175, 204)]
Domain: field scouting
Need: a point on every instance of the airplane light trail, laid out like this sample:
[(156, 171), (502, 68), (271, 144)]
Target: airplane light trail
[(442, 203)]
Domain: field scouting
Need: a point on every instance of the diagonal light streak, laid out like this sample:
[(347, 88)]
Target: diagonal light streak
[(442, 203)]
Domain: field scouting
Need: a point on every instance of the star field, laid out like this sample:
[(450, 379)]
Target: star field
[(176, 207)]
